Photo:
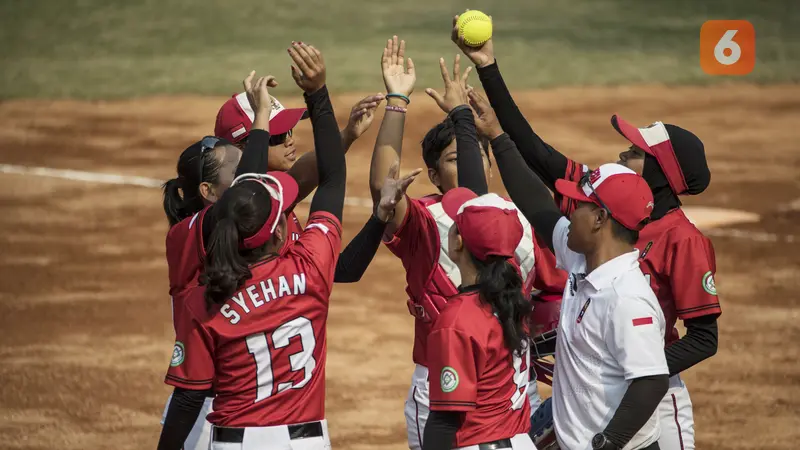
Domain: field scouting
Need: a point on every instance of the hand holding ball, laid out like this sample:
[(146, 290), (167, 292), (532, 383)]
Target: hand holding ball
[(475, 27)]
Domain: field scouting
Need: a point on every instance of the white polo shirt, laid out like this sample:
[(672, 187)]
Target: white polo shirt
[(611, 330)]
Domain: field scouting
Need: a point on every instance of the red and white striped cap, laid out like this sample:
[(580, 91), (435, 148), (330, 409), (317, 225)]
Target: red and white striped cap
[(235, 118), (618, 189), (488, 224)]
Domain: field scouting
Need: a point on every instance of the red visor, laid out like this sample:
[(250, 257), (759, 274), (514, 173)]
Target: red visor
[(488, 224), (282, 190)]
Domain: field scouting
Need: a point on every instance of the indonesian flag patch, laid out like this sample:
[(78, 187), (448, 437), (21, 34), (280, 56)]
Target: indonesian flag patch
[(642, 321)]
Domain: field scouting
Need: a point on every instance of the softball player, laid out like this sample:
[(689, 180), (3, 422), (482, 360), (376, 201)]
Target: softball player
[(677, 259), (478, 346), (417, 234)]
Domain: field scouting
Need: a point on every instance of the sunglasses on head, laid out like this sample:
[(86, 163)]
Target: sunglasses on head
[(586, 181), (206, 144)]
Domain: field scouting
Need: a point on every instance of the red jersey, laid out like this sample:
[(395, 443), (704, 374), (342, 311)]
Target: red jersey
[(421, 244), (677, 260), (263, 351), (473, 372)]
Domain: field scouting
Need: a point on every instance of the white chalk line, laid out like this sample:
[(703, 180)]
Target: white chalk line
[(129, 180)]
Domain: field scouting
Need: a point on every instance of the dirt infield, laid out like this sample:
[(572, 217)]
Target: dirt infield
[(84, 310)]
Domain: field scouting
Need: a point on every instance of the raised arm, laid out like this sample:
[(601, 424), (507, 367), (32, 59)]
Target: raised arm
[(304, 170), (455, 102), (309, 74), (254, 157), (527, 191), (542, 158), (399, 82)]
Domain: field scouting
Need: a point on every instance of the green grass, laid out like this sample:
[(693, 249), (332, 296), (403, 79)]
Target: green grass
[(109, 48)]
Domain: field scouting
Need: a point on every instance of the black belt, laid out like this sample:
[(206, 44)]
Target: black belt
[(495, 445), (300, 431)]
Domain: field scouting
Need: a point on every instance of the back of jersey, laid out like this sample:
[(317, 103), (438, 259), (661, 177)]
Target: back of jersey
[(267, 344)]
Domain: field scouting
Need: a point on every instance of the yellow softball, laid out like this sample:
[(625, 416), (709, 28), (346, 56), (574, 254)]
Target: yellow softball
[(475, 27)]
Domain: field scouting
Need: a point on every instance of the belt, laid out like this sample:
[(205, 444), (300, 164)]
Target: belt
[(495, 445), (299, 431)]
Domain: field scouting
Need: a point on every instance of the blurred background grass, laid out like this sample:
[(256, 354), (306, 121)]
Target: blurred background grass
[(109, 48)]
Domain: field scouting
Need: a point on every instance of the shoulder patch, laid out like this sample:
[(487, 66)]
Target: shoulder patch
[(449, 379), (708, 283), (178, 354)]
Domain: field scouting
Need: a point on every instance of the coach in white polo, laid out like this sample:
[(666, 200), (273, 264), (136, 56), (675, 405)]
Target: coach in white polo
[(610, 371)]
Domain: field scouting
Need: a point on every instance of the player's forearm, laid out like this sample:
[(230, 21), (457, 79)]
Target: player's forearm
[(182, 413), (637, 405), (355, 258), (255, 155), (331, 167), (527, 191), (388, 148), (469, 162), (440, 430), (699, 343), (543, 159)]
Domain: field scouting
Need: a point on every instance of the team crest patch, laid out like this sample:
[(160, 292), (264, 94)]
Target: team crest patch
[(449, 379), (708, 283), (178, 354)]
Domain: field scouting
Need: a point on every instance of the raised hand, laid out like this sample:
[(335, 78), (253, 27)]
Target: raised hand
[(480, 56), (392, 191), (258, 92), (485, 118), (361, 116), (308, 70), (398, 78), (455, 89)]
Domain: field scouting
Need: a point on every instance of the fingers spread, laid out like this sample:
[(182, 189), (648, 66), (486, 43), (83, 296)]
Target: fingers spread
[(435, 95), (445, 74), (411, 70), (457, 67), (248, 82), (466, 75)]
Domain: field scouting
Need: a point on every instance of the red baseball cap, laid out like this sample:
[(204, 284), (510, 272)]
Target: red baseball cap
[(488, 224), (616, 188), (282, 189), (235, 118)]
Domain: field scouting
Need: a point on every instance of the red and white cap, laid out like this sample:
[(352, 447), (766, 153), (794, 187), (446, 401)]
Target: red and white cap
[(616, 188), (488, 224), (235, 118), (282, 189)]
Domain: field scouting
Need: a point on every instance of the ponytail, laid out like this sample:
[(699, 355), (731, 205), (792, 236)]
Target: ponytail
[(225, 269), (173, 202), (500, 285)]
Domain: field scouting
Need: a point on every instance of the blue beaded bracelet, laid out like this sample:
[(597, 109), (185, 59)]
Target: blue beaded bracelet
[(401, 96)]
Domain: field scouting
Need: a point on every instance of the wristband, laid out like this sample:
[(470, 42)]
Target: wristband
[(400, 96), (399, 109)]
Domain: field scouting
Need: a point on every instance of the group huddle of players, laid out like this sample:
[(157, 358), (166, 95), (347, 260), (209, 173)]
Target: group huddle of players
[(250, 285)]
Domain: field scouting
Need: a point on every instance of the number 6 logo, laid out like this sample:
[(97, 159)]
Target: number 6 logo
[(727, 47)]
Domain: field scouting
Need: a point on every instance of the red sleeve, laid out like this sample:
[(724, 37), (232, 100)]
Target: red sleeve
[(549, 279), (574, 173), (320, 244), (453, 370), (185, 251), (192, 363), (691, 278), (417, 238)]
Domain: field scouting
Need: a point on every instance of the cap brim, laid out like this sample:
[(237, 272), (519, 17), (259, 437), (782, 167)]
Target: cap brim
[(630, 132), (454, 198), (289, 186), (286, 120), (571, 190)]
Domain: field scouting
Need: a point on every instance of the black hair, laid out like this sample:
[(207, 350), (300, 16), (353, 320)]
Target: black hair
[(623, 234), (500, 285), (438, 138), (182, 196), (240, 213)]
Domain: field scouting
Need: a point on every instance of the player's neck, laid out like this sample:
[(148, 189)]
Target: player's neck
[(605, 252), (469, 274)]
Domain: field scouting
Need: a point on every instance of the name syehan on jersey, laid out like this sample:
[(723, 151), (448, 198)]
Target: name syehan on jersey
[(263, 292)]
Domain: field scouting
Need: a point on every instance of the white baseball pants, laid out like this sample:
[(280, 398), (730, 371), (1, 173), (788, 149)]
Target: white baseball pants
[(675, 417)]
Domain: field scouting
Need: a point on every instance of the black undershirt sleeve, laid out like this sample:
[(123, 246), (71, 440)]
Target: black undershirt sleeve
[(527, 191), (469, 161), (636, 407), (440, 430), (254, 156), (699, 342), (184, 408), (355, 258), (542, 158), (331, 165)]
